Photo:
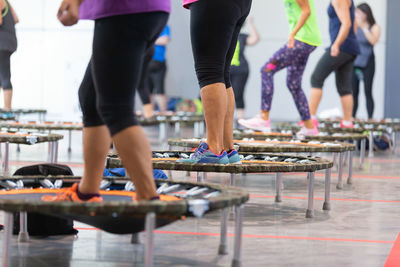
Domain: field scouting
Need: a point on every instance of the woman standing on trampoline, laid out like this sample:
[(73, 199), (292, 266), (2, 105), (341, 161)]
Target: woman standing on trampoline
[(303, 39), (8, 45), (214, 29), (123, 31)]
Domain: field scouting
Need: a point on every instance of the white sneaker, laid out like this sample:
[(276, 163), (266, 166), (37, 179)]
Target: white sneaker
[(257, 123), (307, 132)]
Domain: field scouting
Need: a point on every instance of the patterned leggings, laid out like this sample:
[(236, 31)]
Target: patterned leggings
[(295, 60)]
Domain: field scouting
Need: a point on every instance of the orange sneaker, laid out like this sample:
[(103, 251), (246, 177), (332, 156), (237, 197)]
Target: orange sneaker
[(70, 195)]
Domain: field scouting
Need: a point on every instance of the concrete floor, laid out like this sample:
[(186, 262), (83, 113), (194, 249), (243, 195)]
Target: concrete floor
[(360, 230)]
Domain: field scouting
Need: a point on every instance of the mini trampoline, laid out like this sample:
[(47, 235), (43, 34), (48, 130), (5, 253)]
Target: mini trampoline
[(19, 111), (118, 213), (289, 146), (45, 126), (177, 119), (29, 139), (278, 135), (252, 163)]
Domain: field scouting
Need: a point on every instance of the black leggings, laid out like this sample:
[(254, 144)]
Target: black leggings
[(367, 75), (143, 88), (5, 71), (107, 91), (156, 79), (342, 65), (239, 80), (214, 29)]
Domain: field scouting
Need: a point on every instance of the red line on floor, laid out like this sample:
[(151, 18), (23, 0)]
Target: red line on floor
[(335, 199), (394, 256), (268, 236)]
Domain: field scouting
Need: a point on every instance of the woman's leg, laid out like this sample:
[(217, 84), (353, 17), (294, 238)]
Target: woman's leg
[(239, 81), (344, 75), (116, 74), (211, 35), (5, 78), (294, 79), (356, 90), (143, 88), (369, 73), (325, 66)]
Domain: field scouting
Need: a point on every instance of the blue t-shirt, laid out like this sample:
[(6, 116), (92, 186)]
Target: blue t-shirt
[(159, 52)]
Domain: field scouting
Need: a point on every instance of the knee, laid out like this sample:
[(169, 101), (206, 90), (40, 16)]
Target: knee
[(316, 80), (117, 117), (210, 73), (345, 91), (269, 68)]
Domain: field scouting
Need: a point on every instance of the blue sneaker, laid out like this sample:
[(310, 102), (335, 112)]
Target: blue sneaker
[(234, 157), (203, 155)]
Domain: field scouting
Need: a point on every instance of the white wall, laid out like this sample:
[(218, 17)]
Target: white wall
[(50, 62)]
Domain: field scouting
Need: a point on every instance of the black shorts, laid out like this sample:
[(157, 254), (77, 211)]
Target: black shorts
[(214, 28), (342, 65), (107, 91)]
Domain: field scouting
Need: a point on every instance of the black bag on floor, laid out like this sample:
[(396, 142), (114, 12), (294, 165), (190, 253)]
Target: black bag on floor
[(39, 224)]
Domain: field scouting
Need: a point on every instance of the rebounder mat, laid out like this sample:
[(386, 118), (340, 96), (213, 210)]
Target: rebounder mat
[(251, 163), (275, 146), (28, 138), (119, 212), (47, 125)]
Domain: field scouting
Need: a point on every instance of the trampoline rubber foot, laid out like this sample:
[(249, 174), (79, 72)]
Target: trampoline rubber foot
[(326, 206), (223, 250), (69, 150), (23, 237), (339, 186), (309, 214), (135, 239), (349, 181), (278, 199), (236, 263)]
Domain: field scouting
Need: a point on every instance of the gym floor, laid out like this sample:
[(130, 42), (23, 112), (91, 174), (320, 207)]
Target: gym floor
[(360, 230)]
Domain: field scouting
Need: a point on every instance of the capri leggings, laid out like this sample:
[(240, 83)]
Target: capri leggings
[(143, 88), (239, 79), (295, 60), (215, 26), (342, 65), (107, 91), (5, 72)]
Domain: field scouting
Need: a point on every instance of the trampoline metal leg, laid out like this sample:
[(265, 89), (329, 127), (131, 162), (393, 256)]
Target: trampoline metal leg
[(310, 208), (350, 178), (196, 129), (199, 178), (135, 239), (55, 160), (7, 238), (394, 137), (237, 253), (340, 172), (6, 158), (23, 235), (150, 225), (233, 179), (163, 131), (51, 152), (362, 153), (278, 187), (69, 140), (177, 128), (223, 243), (371, 144), (327, 203)]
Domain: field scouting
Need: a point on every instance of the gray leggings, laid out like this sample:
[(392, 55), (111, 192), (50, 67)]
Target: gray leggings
[(342, 65), (5, 73)]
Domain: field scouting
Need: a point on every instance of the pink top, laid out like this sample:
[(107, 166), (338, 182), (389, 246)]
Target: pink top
[(187, 2)]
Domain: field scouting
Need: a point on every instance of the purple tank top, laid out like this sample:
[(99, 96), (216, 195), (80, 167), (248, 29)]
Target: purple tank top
[(95, 9)]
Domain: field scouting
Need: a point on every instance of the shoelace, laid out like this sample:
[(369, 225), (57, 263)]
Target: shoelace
[(197, 153)]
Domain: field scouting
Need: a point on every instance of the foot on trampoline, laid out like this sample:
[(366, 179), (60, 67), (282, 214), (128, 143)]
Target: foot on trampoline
[(256, 123), (70, 195), (234, 157), (203, 155)]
